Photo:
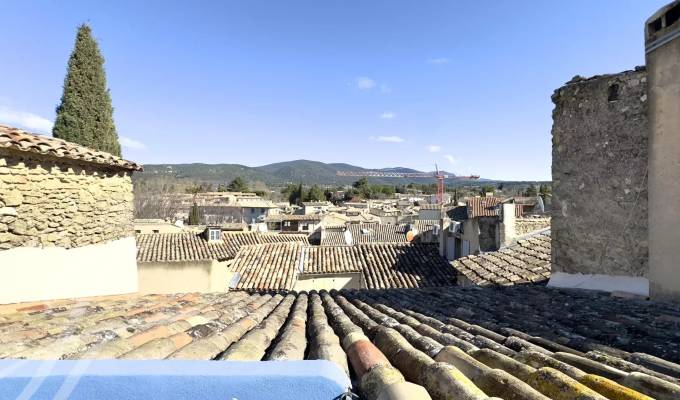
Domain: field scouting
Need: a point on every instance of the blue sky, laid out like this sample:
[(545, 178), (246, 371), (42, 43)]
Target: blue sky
[(466, 84)]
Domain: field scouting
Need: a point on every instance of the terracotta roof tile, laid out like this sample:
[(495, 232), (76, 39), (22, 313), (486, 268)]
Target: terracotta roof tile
[(515, 342), (271, 266), (17, 139), (160, 247), (388, 265), (483, 207), (528, 261)]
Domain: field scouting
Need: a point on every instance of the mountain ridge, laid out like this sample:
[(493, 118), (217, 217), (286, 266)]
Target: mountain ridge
[(307, 172)]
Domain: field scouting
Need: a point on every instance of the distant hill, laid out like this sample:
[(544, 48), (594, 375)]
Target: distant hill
[(305, 171)]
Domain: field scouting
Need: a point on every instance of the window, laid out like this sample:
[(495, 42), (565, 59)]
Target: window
[(613, 94), (263, 210), (156, 231), (138, 231), (214, 234), (287, 223)]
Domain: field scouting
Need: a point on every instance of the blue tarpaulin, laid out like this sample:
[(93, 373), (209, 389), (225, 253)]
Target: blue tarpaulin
[(170, 380)]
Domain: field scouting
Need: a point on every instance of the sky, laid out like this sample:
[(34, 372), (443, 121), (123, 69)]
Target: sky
[(464, 84)]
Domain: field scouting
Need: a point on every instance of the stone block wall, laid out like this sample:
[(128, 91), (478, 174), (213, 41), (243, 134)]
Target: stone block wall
[(600, 134), (46, 201), (524, 226)]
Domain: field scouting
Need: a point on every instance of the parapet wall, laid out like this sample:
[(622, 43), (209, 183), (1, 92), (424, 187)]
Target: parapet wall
[(524, 226), (599, 169), (48, 202)]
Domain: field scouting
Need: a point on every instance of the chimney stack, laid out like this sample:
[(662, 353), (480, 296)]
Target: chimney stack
[(662, 44)]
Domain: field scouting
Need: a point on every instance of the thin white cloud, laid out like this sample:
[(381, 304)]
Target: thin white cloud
[(451, 159), (438, 61), (388, 115), (434, 148), (131, 143), (389, 139), (25, 120), (365, 83)]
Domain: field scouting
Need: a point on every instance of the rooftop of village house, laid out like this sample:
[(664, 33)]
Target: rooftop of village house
[(516, 342)]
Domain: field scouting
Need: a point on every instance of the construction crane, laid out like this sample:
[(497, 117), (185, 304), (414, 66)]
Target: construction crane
[(391, 174)]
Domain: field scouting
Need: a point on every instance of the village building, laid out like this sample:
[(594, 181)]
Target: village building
[(195, 262), (430, 211), (300, 223), (387, 215), (154, 225), (66, 216), (316, 207), (483, 224), (295, 266), (245, 211), (525, 262)]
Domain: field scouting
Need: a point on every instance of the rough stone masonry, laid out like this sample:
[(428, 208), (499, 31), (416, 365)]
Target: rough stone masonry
[(60, 202), (600, 134)]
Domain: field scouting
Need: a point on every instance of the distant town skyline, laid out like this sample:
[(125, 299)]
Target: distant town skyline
[(463, 84)]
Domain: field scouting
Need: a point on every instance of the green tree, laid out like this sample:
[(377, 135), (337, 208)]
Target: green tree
[(362, 188), (85, 113), (194, 215), (487, 189), (315, 193), (531, 191), (238, 185)]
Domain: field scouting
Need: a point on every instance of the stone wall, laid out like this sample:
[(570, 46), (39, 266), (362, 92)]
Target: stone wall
[(524, 226), (46, 201), (599, 169)]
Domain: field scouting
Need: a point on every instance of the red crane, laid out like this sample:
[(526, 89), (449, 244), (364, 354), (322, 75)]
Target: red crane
[(390, 174)]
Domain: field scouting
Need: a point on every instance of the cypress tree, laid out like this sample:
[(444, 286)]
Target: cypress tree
[(194, 215), (85, 114)]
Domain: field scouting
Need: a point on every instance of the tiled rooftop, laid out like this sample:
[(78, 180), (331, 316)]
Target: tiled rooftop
[(293, 217), (17, 139), (271, 266), (387, 265), (522, 342), (161, 247), (483, 207), (181, 246), (528, 261), (375, 233)]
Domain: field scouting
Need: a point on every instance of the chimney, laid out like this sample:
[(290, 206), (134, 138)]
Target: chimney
[(662, 44)]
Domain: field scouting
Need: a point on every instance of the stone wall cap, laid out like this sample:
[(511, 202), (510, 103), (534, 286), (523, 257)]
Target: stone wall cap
[(17, 139)]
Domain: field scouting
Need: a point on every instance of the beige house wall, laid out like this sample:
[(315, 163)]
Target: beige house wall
[(328, 282), (144, 228), (32, 273), (183, 276), (663, 71)]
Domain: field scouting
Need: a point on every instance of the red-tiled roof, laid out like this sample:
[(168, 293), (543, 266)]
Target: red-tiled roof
[(483, 207), (17, 139)]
